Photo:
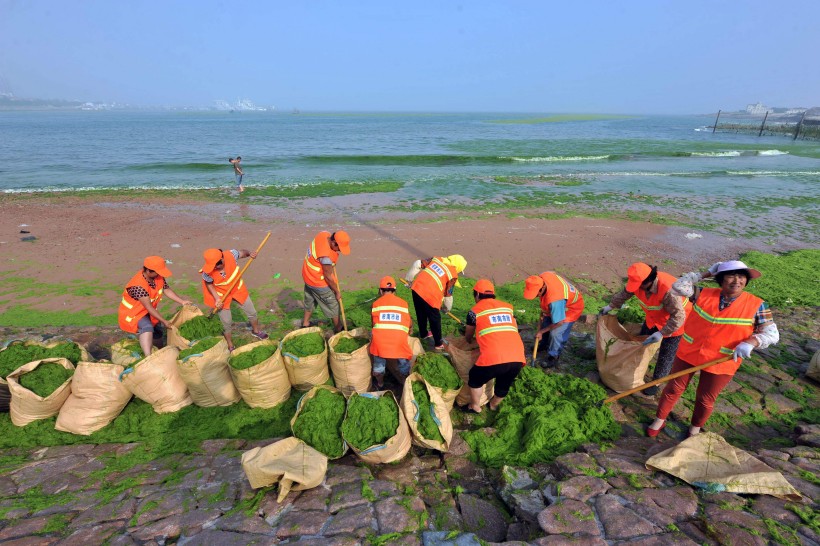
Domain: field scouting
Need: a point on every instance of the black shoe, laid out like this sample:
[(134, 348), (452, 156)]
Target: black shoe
[(650, 391)]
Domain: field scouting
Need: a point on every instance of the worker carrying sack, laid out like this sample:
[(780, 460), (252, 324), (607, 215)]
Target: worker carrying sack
[(97, 398), (207, 377), (351, 371), (622, 358), (376, 429), (291, 463), (305, 372), (428, 419), (155, 380), (463, 355), (264, 384), (27, 406)]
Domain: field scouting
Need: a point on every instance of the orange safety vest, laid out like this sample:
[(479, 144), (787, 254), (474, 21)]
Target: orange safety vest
[(710, 333), (432, 281), (311, 268), (497, 333), (558, 288), (652, 305), (131, 310), (391, 328), (222, 282)]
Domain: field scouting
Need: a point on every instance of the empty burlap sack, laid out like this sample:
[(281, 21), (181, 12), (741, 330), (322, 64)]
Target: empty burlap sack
[(622, 359), (351, 371), (156, 381), (25, 406), (707, 460), (463, 355), (123, 353), (97, 398), (813, 372), (393, 364), (185, 313), (207, 377), (307, 371), (439, 413), (395, 447), (303, 401), (290, 462), (265, 385)]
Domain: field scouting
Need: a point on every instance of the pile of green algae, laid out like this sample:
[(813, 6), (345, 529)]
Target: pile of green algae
[(349, 344), (251, 358), (426, 425), (200, 347), (319, 423), (19, 354), (201, 327), (370, 421), (438, 372), (45, 378), (305, 345), (542, 417)]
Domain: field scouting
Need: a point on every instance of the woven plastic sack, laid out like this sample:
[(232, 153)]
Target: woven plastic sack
[(463, 355), (27, 407), (123, 355), (448, 396), (396, 447), (622, 359), (351, 371), (265, 385), (291, 463), (307, 371), (207, 377), (185, 313), (301, 404), (440, 414), (97, 398), (156, 381)]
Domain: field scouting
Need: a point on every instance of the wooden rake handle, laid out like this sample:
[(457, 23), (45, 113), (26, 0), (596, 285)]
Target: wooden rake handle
[(242, 271), (341, 305)]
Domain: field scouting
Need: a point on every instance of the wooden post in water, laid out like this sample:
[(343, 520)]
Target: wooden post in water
[(762, 125), (716, 120), (797, 132)]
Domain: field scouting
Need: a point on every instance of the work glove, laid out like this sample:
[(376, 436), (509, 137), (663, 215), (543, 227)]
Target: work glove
[(413, 271), (447, 304), (605, 310), (743, 350), (713, 269), (654, 338)]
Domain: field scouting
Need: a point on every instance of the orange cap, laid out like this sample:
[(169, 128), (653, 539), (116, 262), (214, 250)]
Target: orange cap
[(212, 256), (483, 286), (157, 263), (387, 282), (636, 274), (343, 240), (532, 286)]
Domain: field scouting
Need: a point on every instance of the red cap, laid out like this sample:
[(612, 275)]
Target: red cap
[(636, 274), (387, 282), (212, 256), (157, 263), (483, 286), (532, 286), (343, 240)]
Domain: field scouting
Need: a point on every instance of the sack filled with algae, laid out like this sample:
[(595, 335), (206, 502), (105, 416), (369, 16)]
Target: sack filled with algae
[(190, 324), (17, 353), (97, 398), (463, 355), (304, 352), (375, 428), (350, 360), (318, 420), (204, 368), (542, 417), (427, 418), (441, 375), (42, 393), (262, 384)]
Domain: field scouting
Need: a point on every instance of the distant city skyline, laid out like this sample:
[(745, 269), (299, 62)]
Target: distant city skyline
[(599, 57)]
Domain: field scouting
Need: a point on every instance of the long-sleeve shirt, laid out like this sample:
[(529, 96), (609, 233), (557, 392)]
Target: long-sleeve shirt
[(672, 304)]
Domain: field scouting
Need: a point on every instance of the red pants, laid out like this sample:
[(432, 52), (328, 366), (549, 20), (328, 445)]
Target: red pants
[(709, 388)]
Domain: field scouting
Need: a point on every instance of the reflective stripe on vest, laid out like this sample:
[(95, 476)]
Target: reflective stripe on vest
[(717, 320), (567, 288), (383, 326)]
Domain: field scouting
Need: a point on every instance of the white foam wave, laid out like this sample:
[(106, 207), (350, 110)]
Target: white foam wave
[(704, 128), (771, 152), (731, 153), (774, 173), (558, 158)]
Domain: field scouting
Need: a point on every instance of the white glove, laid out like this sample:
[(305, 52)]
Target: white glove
[(447, 304), (605, 310), (714, 268), (413, 271), (654, 338), (743, 350)]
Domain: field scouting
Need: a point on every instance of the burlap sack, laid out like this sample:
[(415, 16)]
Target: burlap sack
[(290, 462), (395, 447), (622, 359), (393, 364), (707, 460), (307, 371), (813, 372), (463, 355), (122, 355), (26, 406), (97, 398), (351, 371), (301, 404), (185, 313), (448, 396), (441, 416), (156, 381), (207, 377), (265, 385)]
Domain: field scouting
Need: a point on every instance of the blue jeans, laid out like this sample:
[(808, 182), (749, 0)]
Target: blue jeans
[(380, 363), (558, 337), (238, 179)]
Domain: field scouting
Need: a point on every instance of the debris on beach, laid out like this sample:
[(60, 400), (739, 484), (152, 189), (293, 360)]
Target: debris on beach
[(691, 236)]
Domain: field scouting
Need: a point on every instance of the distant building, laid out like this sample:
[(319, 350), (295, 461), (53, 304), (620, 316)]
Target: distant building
[(757, 109)]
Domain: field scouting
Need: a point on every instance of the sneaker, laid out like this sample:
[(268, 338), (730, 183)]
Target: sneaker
[(651, 391), (441, 346), (259, 335)]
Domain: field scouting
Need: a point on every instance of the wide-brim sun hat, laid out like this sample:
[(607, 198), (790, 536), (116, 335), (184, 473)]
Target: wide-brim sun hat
[(737, 265)]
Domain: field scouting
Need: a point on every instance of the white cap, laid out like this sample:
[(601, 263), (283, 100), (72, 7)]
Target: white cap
[(736, 265)]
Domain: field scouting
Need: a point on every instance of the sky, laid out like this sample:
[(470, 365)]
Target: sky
[(627, 57)]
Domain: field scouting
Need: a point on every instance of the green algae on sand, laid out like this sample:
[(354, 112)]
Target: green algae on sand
[(305, 345), (542, 417), (253, 357), (18, 354), (350, 344), (370, 421), (426, 425), (201, 327), (438, 371), (319, 422), (45, 378), (200, 347)]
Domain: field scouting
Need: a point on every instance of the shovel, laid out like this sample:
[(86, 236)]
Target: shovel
[(448, 313), (241, 271), (664, 379), (535, 350)]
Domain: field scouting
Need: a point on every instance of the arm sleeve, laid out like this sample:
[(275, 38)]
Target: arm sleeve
[(766, 332), (470, 318), (685, 285), (673, 305), (207, 278), (136, 292), (619, 299), (414, 270), (236, 254), (558, 311), (326, 261)]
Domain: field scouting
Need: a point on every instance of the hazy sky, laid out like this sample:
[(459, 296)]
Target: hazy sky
[(630, 56)]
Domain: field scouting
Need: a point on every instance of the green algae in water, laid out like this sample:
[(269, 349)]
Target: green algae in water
[(319, 423), (200, 347), (45, 378), (18, 354), (350, 344), (305, 345), (438, 371), (426, 425), (542, 417), (201, 327), (253, 357), (370, 421)]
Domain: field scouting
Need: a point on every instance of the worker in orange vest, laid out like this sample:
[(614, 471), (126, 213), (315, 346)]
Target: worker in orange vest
[(391, 331), (501, 350), (433, 281), (218, 274), (561, 305), (725, 322), (665, 312), (138, 307), (321, 286)]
